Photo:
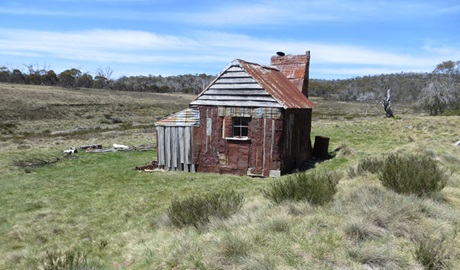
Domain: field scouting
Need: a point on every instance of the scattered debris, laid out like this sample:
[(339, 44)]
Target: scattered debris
[(70, 151), (91, 150), (29, 163), (149, 167), (34, 162), (120, 147), (92, 146)]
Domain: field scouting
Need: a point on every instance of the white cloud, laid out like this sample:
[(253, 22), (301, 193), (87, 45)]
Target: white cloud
[(204, 49)]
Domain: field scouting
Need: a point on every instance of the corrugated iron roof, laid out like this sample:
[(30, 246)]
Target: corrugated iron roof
[(295, 68), (278, 86), (185, 118), (245, 84)]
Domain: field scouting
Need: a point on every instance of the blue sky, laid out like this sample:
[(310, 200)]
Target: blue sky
[(159, 37)]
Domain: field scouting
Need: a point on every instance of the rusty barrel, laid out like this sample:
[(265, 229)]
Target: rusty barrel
[(320, 149)]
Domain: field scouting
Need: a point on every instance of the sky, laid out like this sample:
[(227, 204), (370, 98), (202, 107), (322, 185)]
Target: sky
[(346, 38)]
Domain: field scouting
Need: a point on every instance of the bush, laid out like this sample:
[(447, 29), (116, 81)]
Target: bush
[(197, 210), (432, 253), (315, 188), (370, 164), (412, 174), (63, 261)]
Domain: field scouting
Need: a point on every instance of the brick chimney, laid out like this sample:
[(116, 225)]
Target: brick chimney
[(295, 68)]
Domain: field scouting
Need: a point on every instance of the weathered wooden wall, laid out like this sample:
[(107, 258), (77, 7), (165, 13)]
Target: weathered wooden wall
[(274, 145), (296, 138)]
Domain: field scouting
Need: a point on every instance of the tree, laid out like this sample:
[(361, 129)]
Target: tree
[(104, 72), (85, 80), (100, 82), (442, 92), (68, 78), (387, 105), (4, 74), (50, 78), (17, 77)]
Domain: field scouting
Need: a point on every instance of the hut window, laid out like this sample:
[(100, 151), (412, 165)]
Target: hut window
[(240, 126)]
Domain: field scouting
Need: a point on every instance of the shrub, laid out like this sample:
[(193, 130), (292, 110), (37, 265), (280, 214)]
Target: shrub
[(317, 189), (431, 253), (412, 174), (370, 164), (57, 260), (197, 210)]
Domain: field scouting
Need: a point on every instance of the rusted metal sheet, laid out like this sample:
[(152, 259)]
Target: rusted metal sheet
[(185, 118), (247, 84), (295, 68), (277, 135), (296, 138), (278, 86)]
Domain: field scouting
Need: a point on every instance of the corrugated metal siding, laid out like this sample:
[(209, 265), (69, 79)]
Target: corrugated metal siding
[(185, 118), (174, 148), (220, 153), (279, 126), (296, 138), (295, 68)]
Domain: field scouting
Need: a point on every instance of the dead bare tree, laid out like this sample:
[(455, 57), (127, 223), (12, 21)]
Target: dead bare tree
[(442, 92), (387, 105), (104, 72)]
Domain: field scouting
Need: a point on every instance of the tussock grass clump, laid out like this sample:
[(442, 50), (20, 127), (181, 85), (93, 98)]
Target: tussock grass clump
[(360, 229), (234, 245), (57, 260), (412, 174), (375, 212), (377, 256), (370, 164), (316, 188), (432, 253), (197, 210)]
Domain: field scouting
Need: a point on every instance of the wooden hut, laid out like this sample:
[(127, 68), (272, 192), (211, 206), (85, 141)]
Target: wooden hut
[(251, 120)]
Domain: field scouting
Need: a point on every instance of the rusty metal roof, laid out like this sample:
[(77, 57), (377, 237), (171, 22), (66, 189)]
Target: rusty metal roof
[(185, 118), (295, 68), (278, 86), (245, 84)]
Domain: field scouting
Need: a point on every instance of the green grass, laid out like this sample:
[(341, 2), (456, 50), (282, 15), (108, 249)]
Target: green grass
[(98, 209), (95, 198)]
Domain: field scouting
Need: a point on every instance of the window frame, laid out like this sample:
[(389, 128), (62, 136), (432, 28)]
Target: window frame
[(240, 124)]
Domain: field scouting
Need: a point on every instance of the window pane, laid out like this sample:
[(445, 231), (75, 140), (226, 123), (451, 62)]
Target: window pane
[(236, 131), (244, 131), (240, 126)]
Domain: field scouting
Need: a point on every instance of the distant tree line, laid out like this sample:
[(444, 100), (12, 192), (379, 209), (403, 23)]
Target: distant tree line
[(405, 87), (74, 78), (434, 92)]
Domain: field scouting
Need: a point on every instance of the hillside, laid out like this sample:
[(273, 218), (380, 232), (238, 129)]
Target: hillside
[(59, 115), (98, 209)]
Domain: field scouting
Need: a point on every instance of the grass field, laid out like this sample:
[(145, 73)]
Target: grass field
[(97, 205)]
